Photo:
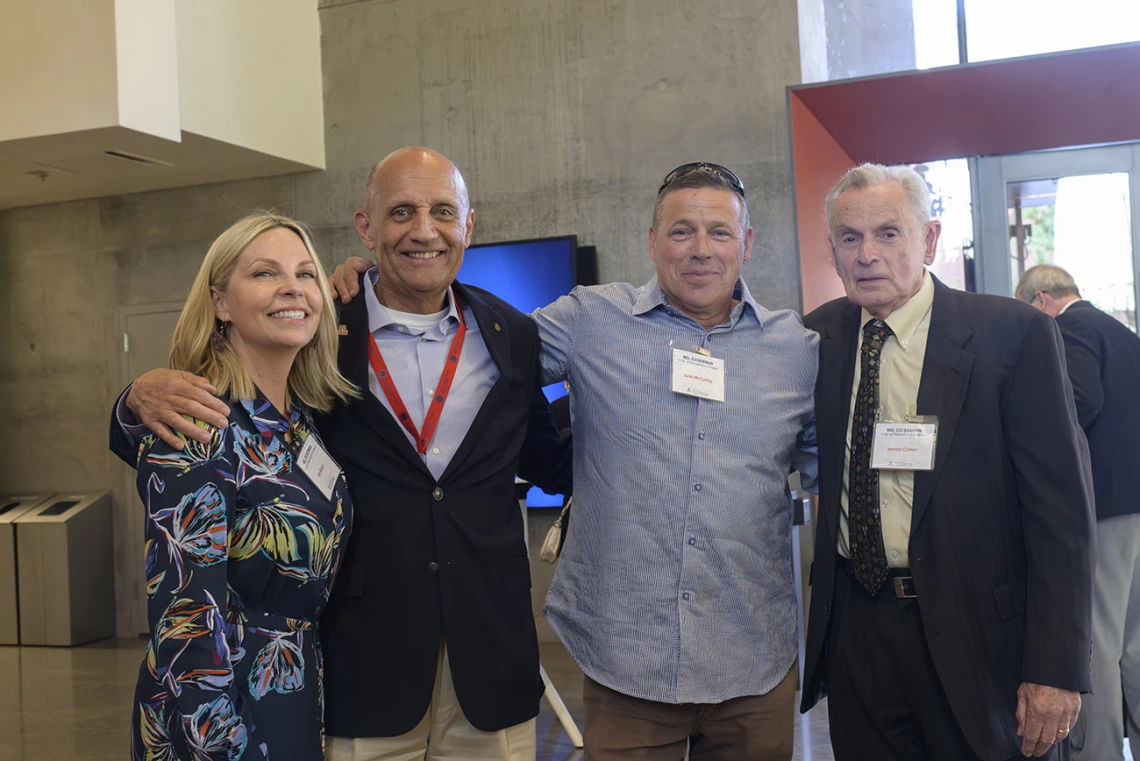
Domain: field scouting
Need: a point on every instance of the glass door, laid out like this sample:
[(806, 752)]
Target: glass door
[(1072, 208)]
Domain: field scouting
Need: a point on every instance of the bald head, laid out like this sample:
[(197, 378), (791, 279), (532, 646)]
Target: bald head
[(414, 159), (417, 222)]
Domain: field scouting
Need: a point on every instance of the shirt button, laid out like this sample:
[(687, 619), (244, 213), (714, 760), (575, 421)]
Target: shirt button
[(437, 494), (435, 450), (685, 595), (433, 567), (431, 391), (692, 541), (701, 435), (894, 556), (697, 487)]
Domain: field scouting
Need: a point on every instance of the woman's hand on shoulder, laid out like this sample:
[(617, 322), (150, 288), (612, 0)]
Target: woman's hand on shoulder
[(172, 402)]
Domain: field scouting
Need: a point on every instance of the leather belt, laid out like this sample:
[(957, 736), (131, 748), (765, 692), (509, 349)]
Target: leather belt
[(904, 587)]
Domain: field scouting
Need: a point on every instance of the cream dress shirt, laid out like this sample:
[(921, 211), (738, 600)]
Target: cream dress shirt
[(899, 375)]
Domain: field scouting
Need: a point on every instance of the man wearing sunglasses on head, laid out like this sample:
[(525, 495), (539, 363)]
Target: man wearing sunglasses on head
[(691, 405)]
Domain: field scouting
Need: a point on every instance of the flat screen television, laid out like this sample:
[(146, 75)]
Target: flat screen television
[(529, 274)]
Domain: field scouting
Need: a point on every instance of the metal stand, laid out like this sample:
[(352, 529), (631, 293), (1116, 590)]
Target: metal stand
[(552, 695)]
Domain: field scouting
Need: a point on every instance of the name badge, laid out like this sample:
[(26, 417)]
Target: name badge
[(698, 375), (321, 469), (904, 446)]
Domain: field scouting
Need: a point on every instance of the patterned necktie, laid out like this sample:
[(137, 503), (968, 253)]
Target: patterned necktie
[(864, 522)]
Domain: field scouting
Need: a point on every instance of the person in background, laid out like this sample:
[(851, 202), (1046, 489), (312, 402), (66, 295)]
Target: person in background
[(245, 529), (950, 606), (1103, 360), (429, 637)]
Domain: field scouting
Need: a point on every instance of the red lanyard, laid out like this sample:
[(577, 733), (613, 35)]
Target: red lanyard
[(437, 402)]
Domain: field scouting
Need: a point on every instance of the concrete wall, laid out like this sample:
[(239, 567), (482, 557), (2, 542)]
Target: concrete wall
[(564, 114)]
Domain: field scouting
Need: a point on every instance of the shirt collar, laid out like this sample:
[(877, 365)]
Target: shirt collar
[(1074, 301), (381, 317), (651, 296), (905, 320)]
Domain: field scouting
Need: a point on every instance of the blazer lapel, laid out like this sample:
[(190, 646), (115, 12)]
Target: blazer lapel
[(353, 361), (837, 347), (494, 331), (942, 390)]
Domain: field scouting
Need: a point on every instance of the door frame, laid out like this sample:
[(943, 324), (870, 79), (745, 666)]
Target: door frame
[(135, 604), (995, 172)]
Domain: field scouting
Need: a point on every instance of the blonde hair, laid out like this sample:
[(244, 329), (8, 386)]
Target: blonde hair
[(314, 378)]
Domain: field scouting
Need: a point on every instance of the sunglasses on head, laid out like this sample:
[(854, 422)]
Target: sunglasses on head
[(702, 166)]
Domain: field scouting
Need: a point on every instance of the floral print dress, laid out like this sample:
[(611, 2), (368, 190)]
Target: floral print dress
[(241, 552)]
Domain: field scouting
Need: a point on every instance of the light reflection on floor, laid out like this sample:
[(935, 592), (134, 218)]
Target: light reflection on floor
[(60, 704)]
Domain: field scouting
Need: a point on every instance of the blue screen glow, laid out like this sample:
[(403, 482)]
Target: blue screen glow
[(527, 275)]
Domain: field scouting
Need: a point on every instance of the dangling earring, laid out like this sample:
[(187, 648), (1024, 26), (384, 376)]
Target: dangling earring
[(218, 337)]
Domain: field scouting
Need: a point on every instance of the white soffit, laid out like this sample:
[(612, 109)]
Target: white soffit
[(106, 97)]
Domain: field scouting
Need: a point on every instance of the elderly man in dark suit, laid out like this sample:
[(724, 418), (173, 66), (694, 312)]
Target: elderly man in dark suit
[(429, 638), (1109, 413), (950, 610)]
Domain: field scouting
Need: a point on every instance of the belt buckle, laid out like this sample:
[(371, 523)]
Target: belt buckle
[(901, 588)]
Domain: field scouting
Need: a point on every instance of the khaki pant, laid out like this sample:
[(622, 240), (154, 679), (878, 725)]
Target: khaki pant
[(623, 728), (444, 734)]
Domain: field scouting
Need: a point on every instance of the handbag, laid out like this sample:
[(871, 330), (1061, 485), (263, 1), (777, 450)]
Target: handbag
[(556, 535)]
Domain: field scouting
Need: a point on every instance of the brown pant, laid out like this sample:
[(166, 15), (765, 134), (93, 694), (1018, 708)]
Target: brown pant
[(751, 728)]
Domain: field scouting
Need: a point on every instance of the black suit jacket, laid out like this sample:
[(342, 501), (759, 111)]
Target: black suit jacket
[(430, 560), (1107, 404), (1001, 542)]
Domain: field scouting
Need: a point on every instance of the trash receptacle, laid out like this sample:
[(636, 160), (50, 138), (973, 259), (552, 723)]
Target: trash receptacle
[(12, 508), (64, 549)]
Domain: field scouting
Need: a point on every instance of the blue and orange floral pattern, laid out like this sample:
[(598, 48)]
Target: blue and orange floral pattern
[(241, 552)]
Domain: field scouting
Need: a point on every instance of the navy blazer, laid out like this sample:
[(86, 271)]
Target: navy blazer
[(432, 560), (1107, 405), (1001, 539)]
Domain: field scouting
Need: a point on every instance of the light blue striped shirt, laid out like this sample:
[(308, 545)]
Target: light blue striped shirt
[(675, 583), (415, 358)]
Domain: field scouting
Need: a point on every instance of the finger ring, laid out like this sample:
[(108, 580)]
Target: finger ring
[(1062, 732)]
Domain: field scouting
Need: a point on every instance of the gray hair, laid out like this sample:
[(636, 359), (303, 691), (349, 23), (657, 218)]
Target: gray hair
[(1046, 278), (701, 178), (874, 175)]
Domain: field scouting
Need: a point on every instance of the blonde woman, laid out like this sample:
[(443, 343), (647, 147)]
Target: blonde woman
[(244, 534)]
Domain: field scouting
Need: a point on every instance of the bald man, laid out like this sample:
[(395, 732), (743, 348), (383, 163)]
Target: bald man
[(429, 639)]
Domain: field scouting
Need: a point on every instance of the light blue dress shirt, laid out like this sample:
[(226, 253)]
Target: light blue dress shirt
[(415, 356), (675, 583)]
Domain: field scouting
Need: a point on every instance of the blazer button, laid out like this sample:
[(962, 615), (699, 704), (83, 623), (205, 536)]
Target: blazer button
[(437, 494), (433, 567)]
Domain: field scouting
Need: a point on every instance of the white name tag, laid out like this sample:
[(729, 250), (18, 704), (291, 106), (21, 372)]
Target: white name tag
[(904, 446), (697, 375), (321, 469)]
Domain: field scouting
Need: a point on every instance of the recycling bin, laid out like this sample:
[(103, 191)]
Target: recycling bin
[(11, 508), (65, 567)]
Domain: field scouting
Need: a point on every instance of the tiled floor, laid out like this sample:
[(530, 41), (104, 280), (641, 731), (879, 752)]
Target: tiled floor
[(59, 704)]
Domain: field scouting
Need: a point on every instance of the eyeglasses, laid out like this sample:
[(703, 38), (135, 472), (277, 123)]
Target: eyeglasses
[(701, 166)]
